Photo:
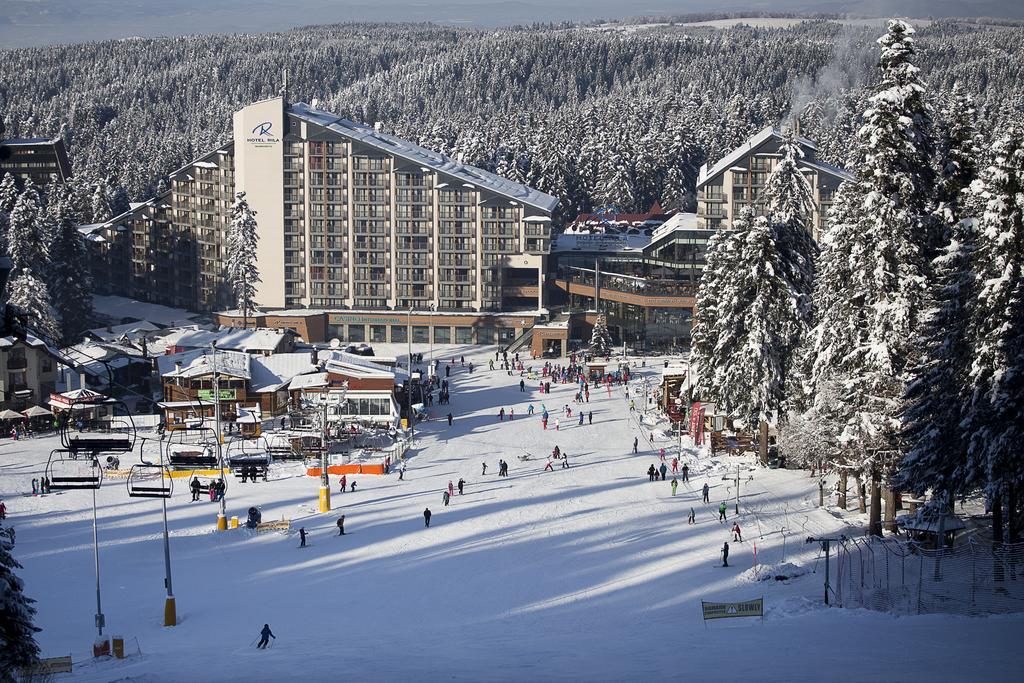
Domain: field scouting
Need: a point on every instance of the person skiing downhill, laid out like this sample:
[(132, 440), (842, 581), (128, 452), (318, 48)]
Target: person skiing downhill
[(674, 485), (663, 469), (484, 468), (692, 519), (462, 482), (302, 537), (635, 443), (341, 525), (725, 554), (265, 635), (721, 512), (686, 472), (445, 498), (706, 490), (736, 535), (451, 488)]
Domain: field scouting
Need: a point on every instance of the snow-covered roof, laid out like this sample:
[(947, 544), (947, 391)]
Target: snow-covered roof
[(199, 362), (271, 373), (312, 380), (822, 167), (88, 232), (746, 148), (233, 339), (122, 308), (351, 365), (116, 332), (476, 177)]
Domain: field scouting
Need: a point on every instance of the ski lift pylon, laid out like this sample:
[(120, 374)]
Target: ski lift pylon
[(65, 471)]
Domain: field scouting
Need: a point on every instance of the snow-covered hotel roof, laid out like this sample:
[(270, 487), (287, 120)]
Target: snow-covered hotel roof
[(427, 159)]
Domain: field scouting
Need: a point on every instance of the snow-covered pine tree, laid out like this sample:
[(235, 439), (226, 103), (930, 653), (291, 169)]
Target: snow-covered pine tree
[(713, 342), (600, 338), (8, 193), (18, 647), (936, 396), (70, 280), (886, 267), (240, 256), (31, 295), (789, 203), (764, 310), (26, 242), (997, 374)]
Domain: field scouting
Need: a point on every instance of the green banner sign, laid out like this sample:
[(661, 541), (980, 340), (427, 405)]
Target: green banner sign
[(728, 610), (225, 394)]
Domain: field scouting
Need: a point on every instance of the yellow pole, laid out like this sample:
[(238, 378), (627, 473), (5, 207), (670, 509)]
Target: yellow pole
[(170, 612)]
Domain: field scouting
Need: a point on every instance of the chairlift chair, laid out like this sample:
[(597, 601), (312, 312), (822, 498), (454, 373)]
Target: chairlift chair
[(78, 437), (65, 471), (147, 480)]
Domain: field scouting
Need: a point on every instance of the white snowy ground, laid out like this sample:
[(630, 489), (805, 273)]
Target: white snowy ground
[(590, 573)]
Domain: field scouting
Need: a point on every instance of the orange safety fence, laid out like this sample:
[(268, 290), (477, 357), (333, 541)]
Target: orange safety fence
[(346, 469)]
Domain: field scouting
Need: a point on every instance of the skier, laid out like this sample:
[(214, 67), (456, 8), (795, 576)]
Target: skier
[(266, 634), (706, 489), (565, 461), (341, 525), (401, 471), (485, 469), (590, 417), (302, 537), (352, 486), (195, 489), (445, 497), (522, 385), (581, 419), (674, 485), (511, 414), (675, 465), (462, 482), (549, 467), (635, 442), (342, 481), (652, 473), (692, 519), (451, 488), (556, 424), (501, 415), (721, 512), (686, 472), (35, 486), (632, 406), (529, 410), (426, 517), (725, 554), (736, 535), (663, 469), (661, 452), (449, 419)]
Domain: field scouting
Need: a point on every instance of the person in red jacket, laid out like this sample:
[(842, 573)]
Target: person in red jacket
[(736, 535)]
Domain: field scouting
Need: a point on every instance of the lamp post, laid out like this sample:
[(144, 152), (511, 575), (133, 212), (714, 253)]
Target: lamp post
[(430, 327), (222, 515), (408, 390)]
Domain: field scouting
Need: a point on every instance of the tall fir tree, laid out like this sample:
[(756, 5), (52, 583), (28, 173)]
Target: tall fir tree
[(937, 395), (789, 203), (765, 316), (997, 372), (713, 341), (31, 295), (240, 256), (70, 281), (18, 647), (26, 239), (885, 271)]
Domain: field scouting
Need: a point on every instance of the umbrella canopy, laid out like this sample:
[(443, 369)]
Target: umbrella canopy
[(37, 411), (11, 415)]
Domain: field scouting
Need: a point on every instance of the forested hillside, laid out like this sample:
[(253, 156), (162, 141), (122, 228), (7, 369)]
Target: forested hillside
[(595, 116)]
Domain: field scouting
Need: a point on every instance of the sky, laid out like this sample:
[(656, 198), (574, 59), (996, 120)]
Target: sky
[(28, 23)]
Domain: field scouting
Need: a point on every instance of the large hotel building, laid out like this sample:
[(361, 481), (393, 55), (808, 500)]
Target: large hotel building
[(350, 219), (366, 237)]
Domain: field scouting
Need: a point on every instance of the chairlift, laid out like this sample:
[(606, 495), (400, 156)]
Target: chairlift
[(201, 439), (148, 480), (111, 434), (65, 471), (248, 452)]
